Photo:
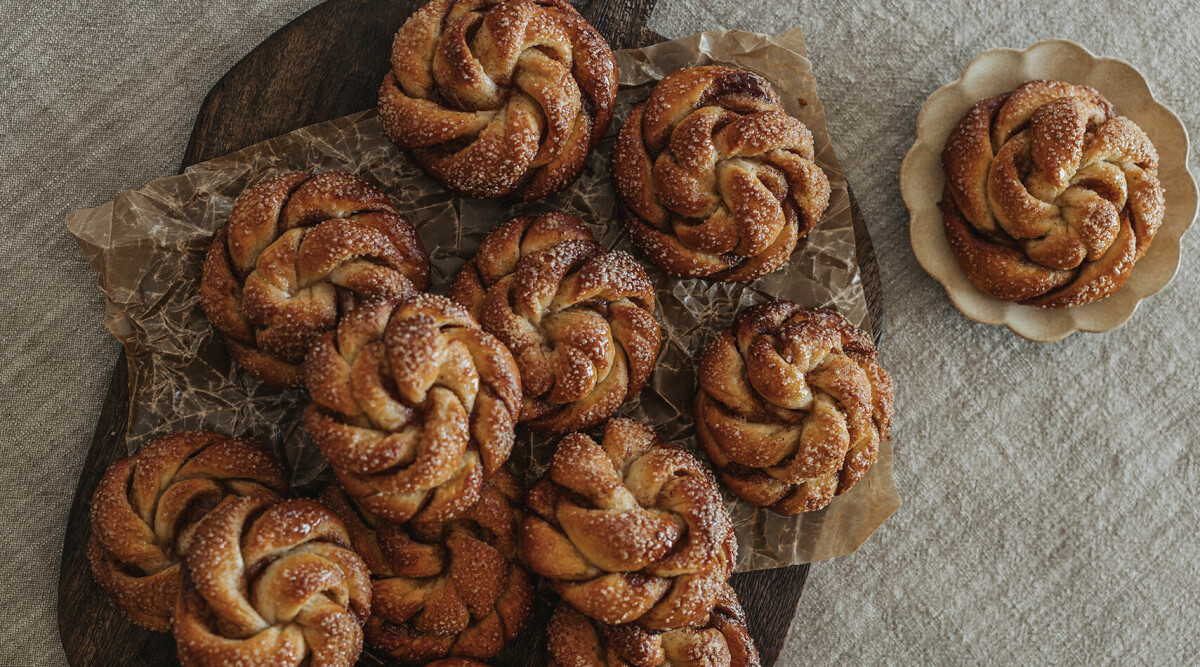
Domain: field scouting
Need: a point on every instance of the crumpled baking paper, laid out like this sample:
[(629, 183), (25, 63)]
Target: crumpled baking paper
[(148, 247)]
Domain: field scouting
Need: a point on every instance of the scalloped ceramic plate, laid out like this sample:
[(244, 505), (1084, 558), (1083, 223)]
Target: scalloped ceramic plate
[(1001, 70)]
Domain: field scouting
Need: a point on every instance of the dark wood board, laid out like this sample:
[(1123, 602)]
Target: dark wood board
[(325, 64)]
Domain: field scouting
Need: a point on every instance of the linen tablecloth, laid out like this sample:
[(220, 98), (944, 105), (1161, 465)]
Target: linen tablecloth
[(1048, 488)]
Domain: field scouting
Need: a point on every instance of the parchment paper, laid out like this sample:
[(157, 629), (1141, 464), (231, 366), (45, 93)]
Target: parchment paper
[(148, 246)]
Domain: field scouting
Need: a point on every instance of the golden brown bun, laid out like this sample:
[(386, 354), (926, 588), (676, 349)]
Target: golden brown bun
[(792, 406), (413, 405), (298, 250), (718, 181), (146, 509), (272, 583), (499, 98), (630, 530), (578, 319), (1050, 196), (721, 640), (452, 589)]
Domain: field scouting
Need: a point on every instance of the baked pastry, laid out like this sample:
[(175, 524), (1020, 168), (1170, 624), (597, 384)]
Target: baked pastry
[(718, 181), (722, 640), (413, 405), (792, 406), (456, 662), (146, 508), (272, 583), (1050, 196), (300, 249), (499, 98), (578, 319), (449, 589), (630, 530)]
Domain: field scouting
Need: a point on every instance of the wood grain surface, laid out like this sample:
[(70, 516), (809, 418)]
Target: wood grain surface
[(325, 64)]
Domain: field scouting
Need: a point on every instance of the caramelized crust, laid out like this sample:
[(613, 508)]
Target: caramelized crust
[(1050, 196), (272, 584), (630, 530), (721, 640), (792, 406), (499, 98), (718, 181), (450, 589), (413, 405), (578, 319), (146, 509), (299, 250)]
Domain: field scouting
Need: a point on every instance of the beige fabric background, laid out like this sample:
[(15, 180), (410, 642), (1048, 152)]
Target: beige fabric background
[(1048, 489)]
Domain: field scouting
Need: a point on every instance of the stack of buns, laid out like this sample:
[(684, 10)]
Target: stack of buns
[(427, 548)]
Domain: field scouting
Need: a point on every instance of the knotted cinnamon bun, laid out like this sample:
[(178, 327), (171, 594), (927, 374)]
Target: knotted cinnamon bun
[(1051, 197)]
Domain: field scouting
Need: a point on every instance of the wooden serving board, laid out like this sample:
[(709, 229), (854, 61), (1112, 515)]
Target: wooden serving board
[(323, 65)]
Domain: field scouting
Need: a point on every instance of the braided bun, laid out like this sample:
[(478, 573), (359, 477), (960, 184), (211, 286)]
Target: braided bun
[(499, 98), (1050, 196), (146, 509), (718, 181), (272, 583), (299, 250), (449, 589), (792, 406), (578, 319), (413, 405), (630, 530), (721, 640)]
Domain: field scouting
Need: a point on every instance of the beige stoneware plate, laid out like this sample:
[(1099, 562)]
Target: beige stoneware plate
[(1001, 70)]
